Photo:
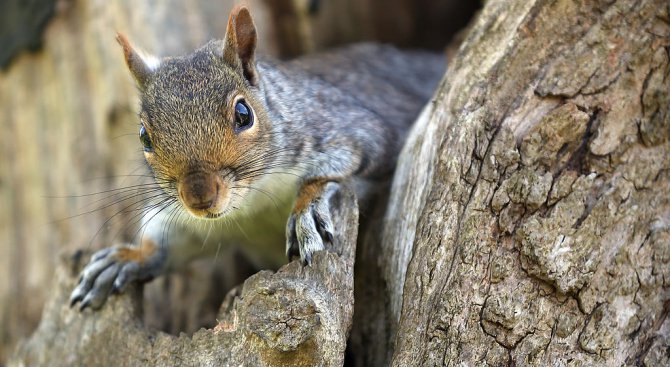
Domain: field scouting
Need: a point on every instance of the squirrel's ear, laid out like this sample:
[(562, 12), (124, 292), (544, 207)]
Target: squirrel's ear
[(240, 43), (141, 66)]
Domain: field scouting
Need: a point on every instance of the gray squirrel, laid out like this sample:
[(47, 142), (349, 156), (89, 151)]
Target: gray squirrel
[(250, 153)]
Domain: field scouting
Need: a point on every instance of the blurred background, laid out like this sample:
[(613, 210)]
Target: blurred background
[(69, 130)]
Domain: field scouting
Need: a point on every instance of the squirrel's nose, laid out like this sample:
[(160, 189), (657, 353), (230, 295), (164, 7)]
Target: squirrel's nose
[(199, 190)]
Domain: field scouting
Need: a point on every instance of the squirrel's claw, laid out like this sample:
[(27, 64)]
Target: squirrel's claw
[(101, 289), (309, 229), (99, 263), (110, 270)]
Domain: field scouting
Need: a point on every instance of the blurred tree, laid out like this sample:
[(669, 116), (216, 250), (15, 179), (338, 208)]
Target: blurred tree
[(21, 26)]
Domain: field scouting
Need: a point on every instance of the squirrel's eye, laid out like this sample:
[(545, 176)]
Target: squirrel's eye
[(244, 117), (146, 141)]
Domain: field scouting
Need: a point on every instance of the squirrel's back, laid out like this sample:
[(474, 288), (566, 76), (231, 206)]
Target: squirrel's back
[(362, 90), (393, 83)]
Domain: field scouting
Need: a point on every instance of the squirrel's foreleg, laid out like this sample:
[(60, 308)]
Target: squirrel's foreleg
[(111, 269), (310, 225)]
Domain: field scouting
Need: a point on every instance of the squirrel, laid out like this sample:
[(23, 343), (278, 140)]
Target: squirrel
[(254, 149)]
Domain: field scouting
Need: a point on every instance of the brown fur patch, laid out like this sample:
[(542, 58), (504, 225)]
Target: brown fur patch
[(128, 50), (241, 42), (134, 61), (138, 254), (245, 34), (308, 192)]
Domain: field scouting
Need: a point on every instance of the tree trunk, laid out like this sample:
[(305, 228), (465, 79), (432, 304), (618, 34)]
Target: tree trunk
[(534, 194), (298, 316)]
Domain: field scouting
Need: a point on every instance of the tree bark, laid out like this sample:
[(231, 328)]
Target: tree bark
[(534, 194), (298, 316)]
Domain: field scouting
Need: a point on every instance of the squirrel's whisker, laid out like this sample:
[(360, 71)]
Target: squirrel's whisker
[(115, 202), (123, 210), (137, 217)]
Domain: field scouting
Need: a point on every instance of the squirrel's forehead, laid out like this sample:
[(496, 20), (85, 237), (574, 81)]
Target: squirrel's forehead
[(199, 66), (186, 106), (181, 76), (186, 86), (182, 86)]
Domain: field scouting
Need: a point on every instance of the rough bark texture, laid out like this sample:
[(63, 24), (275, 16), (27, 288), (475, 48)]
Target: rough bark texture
[(299, 316), (536, 194)]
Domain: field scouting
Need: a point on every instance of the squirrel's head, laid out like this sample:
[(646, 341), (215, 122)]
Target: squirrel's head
[(204, 131)]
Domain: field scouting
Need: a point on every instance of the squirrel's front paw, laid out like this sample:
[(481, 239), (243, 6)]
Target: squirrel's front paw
[(310, 226), (111, 269)]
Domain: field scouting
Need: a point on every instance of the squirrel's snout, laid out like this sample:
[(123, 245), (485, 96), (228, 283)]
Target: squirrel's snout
[(201, 193)]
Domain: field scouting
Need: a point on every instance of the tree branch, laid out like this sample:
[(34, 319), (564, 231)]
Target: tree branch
[(299, 316)]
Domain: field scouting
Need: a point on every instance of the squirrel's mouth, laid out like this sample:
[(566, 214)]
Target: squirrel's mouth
[(205, 214), (214, 215)]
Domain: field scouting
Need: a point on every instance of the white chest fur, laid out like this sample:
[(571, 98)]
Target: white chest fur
[(258, 227)]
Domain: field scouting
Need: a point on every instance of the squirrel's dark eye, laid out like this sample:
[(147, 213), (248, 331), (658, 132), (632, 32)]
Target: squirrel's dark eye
[(244, 117), (146, 141)]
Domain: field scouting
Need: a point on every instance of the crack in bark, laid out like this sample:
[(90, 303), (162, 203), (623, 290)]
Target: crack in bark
[(578, 159), (586, 324), (592, 200), (637, 330), (638, 359), (645, 86), (602, 88)]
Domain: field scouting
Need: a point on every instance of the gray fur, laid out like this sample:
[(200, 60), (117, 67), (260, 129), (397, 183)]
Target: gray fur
[(350, 108), (308, 229)]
